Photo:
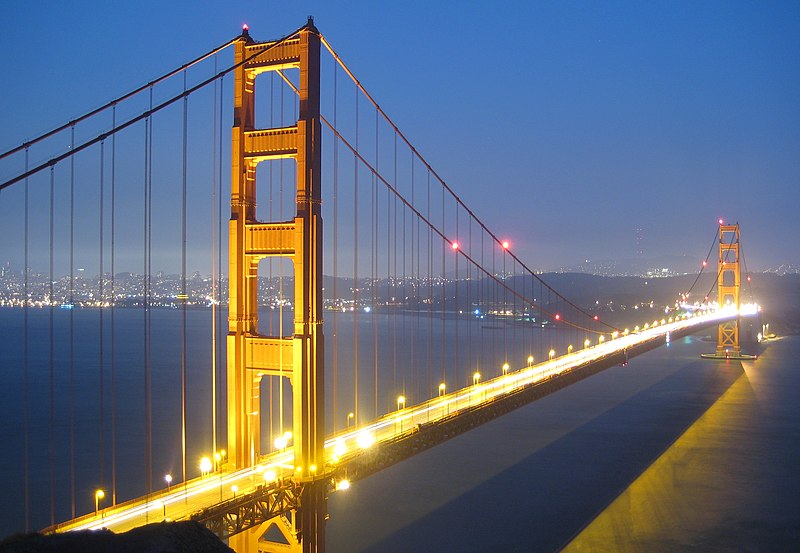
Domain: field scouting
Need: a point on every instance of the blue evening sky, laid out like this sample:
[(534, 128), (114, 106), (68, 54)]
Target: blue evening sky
[(564, 125)]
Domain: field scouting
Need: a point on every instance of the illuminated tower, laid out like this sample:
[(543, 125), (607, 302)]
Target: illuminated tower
[(728, 287), (251, 355)]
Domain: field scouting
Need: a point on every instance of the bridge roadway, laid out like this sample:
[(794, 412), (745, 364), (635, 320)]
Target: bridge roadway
[(182, 501)]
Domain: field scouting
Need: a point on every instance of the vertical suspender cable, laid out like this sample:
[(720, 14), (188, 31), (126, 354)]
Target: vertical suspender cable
[(469, 297), (272, 431), (149, 306), (443, 286), (335, 251), (183, 282), (455, 299), (280, 285), (26, 361), (51, 303), (72, 325), (101, 325), (374, 264), (355, 273), (214, 267), (220, 342), (145, 300), (430, 283), (410, 360), (113, 308), (391, 291)]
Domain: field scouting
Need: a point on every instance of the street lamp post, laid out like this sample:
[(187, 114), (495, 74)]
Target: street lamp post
[(168, 480), (98, 495), (586, 343), (551, 354), (569, 348), (350, 416), (530, 361), (401, 404), (476, 379)]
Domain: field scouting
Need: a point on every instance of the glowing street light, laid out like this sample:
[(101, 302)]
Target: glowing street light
[(476, 378), (350, 417), (530, 360), (506, 366), (551, 354), (586, 343), (205, 466), (601, 339), (98, 495), (401, 404), (234, 489), (442, 389), (269, 475), (343, 484), (569, 348), (168, 480)]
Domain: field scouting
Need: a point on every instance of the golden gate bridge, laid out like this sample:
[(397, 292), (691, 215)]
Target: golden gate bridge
[(432, 324)]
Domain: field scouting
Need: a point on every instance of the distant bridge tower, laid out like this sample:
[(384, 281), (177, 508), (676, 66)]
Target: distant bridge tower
[(730, 278), (252, 355)]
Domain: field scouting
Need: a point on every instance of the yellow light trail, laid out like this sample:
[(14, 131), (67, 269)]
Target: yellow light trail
[(182, 500)]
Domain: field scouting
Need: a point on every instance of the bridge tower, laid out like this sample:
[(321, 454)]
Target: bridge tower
[(730, 278), (252, 355)]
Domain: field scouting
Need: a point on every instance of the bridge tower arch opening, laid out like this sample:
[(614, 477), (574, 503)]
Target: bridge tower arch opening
[(252, 355)]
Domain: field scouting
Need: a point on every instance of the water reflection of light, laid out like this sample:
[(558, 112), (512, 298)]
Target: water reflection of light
[(694, 489)]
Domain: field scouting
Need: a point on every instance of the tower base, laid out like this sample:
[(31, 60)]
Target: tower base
[(729, 355)]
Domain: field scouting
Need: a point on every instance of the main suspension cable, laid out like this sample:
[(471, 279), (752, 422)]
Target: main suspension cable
[(442, 181), (359, 157), (113, 103), (144, 115)]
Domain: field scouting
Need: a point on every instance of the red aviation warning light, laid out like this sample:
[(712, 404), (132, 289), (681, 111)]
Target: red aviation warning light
[(558, 317), (454, 245), (721, 222), (245, 27), (505, 244)]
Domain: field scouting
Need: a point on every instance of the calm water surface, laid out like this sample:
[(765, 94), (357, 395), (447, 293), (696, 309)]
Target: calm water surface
[(668, 453), (671, 453)]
